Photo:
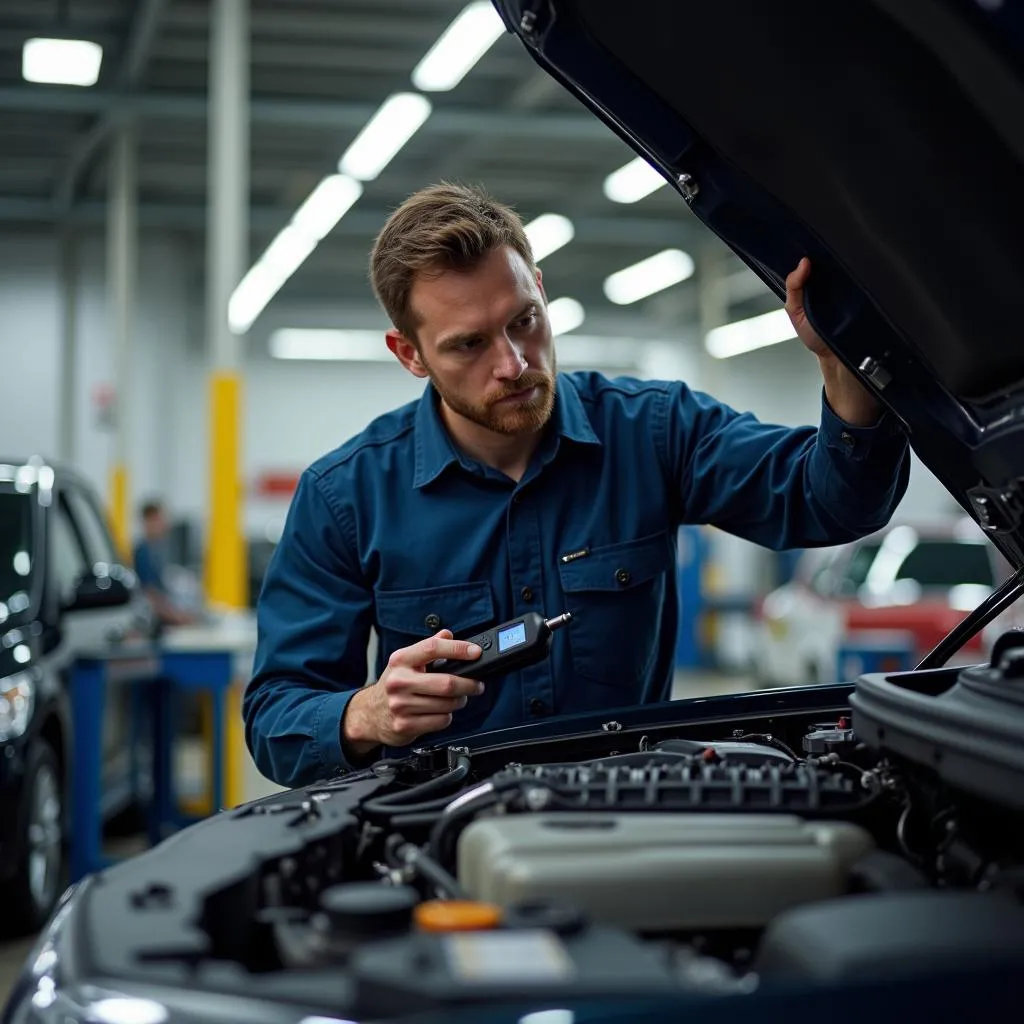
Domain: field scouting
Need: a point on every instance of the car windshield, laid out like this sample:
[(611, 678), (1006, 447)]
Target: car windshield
[(16, 545), (931, 563)]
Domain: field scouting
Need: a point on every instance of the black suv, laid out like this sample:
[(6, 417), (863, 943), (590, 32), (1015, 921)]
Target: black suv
[(63, 592)]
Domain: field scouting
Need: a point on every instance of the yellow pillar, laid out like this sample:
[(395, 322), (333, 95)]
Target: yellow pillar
[(227, 245), (226, 583), (119, 514), (122, 257)]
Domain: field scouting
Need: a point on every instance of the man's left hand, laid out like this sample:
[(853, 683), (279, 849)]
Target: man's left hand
[(849, 399)]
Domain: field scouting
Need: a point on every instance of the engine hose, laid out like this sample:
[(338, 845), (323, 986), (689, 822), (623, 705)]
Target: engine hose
[(464, 807), (392, 811), (404, 854), (393, 803)]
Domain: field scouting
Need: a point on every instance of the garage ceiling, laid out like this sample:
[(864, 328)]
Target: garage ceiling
[(319, 69)]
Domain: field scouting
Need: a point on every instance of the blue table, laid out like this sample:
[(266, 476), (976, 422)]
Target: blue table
[(90, 678), (193, 660), (198, 671), (209, 659)]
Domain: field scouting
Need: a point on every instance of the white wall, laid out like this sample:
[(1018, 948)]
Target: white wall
[(297, 411), (30, 330), (30, 345)]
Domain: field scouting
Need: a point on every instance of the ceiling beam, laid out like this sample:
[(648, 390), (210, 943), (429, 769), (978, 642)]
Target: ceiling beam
[(364, 223), (136, 55), (140, 41), (314, 114)]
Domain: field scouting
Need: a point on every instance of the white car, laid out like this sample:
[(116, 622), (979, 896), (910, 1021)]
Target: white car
[(898, 591)]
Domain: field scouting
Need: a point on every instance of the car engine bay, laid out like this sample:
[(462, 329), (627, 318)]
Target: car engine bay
[(879, 835)]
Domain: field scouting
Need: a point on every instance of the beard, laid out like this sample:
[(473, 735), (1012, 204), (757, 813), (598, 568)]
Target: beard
[(508, 419)]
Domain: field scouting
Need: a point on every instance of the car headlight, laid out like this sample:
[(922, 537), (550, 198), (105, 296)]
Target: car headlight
[(17, 697)]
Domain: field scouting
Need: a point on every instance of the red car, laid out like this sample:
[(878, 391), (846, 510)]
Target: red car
[(907, 583)]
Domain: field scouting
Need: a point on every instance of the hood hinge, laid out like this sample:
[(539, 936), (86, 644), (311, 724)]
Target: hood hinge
[(999, 509)]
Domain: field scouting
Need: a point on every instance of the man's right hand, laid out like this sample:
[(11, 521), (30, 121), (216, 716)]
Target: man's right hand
[(408, 701)]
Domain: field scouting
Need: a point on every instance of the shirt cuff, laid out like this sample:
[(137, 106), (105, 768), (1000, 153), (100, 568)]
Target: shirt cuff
[(859, 443), (327, 730)]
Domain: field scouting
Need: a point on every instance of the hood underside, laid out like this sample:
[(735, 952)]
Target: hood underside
[(884, 139)]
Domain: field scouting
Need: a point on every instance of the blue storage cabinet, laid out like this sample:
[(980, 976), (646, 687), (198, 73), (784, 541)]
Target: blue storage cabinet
[(876, 650)]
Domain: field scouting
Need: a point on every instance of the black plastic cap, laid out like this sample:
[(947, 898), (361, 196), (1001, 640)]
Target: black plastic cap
[(369, 909)]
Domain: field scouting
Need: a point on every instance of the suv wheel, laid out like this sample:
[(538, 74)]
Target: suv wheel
[(41, 876)]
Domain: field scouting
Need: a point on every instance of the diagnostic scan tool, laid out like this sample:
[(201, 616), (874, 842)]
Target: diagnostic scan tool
[(513, 645)]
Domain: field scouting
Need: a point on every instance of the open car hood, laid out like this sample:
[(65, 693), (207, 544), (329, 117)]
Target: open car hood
[(884, 139)]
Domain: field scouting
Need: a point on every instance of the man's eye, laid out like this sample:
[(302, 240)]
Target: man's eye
[(527, 321), (468, 346)]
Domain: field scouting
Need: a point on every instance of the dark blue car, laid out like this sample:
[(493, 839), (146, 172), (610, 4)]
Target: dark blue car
[(63, 592)]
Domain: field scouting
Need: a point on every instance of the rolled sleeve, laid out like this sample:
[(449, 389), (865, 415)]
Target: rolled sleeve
[(314, 619)]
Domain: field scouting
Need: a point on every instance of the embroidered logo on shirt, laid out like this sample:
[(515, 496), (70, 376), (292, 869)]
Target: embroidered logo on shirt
[(573, 555)]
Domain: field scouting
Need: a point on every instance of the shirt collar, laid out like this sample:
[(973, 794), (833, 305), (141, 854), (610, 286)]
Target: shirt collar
[(435, 451)]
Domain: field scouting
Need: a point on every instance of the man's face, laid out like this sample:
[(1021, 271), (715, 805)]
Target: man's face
[(484, 340), (156, 526)]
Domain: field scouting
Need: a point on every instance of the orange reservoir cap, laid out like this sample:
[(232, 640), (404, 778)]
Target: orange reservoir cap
[(456, 916)]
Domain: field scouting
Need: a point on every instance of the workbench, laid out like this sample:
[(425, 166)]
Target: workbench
[(203, 659)]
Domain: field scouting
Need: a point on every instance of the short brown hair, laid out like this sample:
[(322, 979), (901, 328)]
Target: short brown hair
[(448, 226)]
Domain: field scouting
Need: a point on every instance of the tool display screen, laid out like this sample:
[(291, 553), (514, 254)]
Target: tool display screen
[(511, 636)]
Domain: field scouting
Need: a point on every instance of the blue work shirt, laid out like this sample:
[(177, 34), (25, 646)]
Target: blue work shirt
[(400, 532), (150, 564)]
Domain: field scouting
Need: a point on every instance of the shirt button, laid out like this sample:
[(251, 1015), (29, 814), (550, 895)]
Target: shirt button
[(846, 438), (622, 575), (527, 594), (537, 706), (432, 621)]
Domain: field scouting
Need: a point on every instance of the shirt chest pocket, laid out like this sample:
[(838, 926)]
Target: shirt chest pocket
[(616, 594), (407, 616)]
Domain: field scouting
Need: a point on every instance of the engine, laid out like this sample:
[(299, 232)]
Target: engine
[(708, 864), (880, 839)]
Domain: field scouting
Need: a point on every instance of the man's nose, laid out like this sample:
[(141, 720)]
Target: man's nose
[(512, 363)]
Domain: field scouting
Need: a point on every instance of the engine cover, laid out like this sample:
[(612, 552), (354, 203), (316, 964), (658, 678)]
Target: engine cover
[(661, 872)]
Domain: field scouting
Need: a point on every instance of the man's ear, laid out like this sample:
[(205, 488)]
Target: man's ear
[(405, 352), (540, 285)]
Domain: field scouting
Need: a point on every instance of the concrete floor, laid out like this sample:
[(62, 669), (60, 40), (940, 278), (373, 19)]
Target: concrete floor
[(686, 684)]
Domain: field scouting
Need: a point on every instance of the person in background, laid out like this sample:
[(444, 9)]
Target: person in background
[(150, 557)]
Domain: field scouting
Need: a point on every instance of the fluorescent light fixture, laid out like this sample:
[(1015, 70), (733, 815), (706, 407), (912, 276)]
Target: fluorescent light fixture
[(395, 122), (746, 335), (651, 275), (251, 296), (381, 138), (329, 344), (267, 275), (550, 231), (470, 35), (61, 61), (287, 252), (311, 222), (565, 315), (631, 182), (326, 205)]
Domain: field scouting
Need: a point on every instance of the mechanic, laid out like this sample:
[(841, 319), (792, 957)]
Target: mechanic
[(509, 487), (150, 561)]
